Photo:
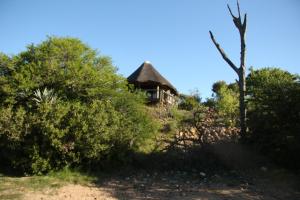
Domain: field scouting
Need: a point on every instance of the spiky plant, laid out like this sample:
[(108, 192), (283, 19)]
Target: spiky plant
[(45, 96)]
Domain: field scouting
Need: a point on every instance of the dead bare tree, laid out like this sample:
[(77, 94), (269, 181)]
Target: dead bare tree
[(241, 26)]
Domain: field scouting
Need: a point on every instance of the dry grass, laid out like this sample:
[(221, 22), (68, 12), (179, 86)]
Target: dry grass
[(16, 187)]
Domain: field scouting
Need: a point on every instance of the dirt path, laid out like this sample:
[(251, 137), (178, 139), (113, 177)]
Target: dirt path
[(179, 185), (75, 192)]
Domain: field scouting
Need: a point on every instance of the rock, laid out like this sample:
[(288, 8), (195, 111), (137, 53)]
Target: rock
[(202, 174)]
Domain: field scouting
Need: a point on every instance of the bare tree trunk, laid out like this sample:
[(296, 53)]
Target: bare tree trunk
[(242, 90), (241, 26)]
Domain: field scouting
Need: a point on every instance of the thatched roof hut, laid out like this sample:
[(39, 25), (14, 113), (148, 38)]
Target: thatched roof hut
[(146, 74), (146, 77)]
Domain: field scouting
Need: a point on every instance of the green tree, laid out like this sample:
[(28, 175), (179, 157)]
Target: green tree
[(63, 104), (274, 113), (6, 70), (225, 101), (227, 104), (189, 102), (67, 66)]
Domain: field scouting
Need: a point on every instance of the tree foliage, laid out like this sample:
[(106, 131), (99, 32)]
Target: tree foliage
[(274, 114), (61, 104), (189, 102), (225, 102)]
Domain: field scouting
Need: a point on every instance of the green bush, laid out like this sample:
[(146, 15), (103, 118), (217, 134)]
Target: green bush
[(189, 102), (225, 101), (63, 105), (274, 114)]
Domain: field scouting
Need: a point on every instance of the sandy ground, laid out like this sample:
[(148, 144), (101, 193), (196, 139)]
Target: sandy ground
[(76, 192), (176, 185)]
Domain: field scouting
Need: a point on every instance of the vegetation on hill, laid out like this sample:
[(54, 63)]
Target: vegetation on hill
[(64, 105), (273, 103)]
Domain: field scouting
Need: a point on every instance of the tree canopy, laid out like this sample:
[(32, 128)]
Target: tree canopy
[(274, 113), (63, 104)]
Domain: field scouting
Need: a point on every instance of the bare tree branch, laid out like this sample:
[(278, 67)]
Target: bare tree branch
[(223, 54), (238, 7), (237, 20), (237, 81), (245, 23), (230, 11)]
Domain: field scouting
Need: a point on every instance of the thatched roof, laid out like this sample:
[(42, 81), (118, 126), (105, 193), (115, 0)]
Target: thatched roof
[(146, 73)]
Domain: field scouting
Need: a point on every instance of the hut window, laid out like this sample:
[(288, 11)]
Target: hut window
[(152, 94)]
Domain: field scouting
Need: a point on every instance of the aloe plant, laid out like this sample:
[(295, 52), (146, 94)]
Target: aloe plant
[(45, 96)]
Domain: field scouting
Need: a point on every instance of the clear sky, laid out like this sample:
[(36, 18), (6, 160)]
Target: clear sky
[(172, 34)]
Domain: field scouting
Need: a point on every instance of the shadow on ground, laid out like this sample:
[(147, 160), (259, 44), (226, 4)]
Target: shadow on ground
[(223, 171), (183, 185)]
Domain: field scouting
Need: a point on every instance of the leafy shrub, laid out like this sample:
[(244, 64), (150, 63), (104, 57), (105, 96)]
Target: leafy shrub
[(274, 114), (225, 102), (63, 105), (189, 102)]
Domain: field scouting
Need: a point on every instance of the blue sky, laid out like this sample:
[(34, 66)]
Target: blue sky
[(172, 34)]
